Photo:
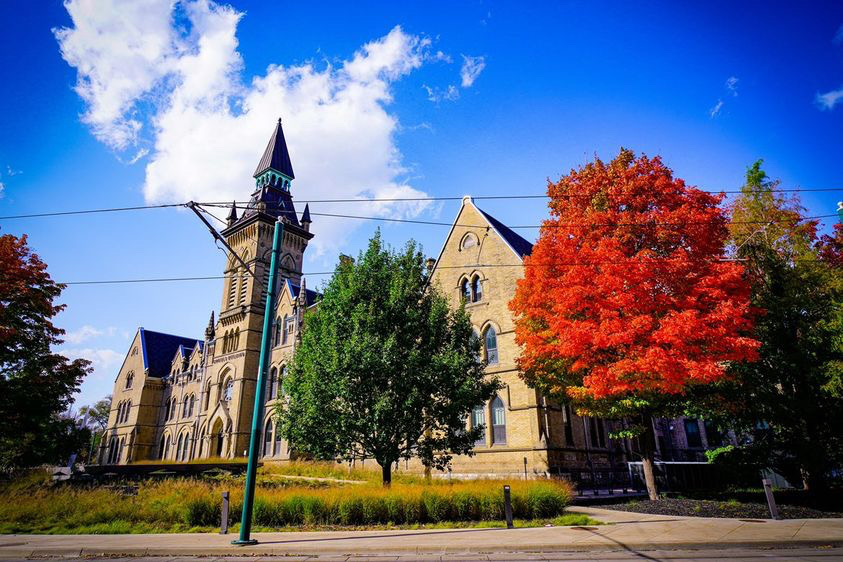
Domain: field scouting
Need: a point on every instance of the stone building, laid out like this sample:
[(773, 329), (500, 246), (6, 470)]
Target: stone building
[(180, 399)]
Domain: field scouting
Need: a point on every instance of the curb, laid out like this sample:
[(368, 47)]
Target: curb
[(271, 550)]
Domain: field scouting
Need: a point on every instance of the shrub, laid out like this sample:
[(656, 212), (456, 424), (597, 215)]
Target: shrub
[(181, 504)]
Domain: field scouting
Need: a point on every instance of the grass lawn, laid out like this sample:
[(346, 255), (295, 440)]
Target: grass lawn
[(291, 497)]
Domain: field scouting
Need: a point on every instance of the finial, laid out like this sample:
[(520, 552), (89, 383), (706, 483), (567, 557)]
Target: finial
[(209, 331), (279, 120)]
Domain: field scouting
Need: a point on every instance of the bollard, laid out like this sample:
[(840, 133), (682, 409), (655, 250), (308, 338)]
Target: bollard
[(771, 501), (507, 506), (224, 518), (525, 468)]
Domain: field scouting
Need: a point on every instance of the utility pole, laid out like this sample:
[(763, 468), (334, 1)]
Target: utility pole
[(257, 416)]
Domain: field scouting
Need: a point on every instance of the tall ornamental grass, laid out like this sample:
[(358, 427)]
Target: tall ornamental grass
[(183, 504)]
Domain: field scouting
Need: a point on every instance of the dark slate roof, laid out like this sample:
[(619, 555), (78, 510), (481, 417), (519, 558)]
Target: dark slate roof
[(515, 240), (276, 155), (305, 216), (310, 296), (159, 350)]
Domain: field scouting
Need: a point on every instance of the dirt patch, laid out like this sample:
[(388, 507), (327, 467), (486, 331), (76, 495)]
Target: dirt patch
[(708, 508)]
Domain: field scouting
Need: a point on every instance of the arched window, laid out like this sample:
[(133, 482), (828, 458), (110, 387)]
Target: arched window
[(232, 289), (185, 452), (161, 448), (267, 439), (285, 334), (491, 346), (185, 406), (278, 325), (244, 286), (167, 448), (273, 384), (207, 396), (235, 343), (291, 325), (120, 450), (498, 421), (112, 450), (469, 241), (127, 409), (179, 447), (174, 409), (228, 394), (130, 379), (282, 378), (465, 290), (476, 289), (200, 444), (278, 449), (478, 419), (167, 411)]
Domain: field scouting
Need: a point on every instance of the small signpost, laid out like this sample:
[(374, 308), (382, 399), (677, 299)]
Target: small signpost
[(771, 501), (507, 506), (224, 522)]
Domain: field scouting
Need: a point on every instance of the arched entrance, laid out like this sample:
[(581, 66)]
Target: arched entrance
[(217, 438)]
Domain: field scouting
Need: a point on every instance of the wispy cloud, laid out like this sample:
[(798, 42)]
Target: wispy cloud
[(104, 361), (471, 69), (168, 76), (11, 172), (828, 100), (2, 189), (715, 111), (87, 332), (732, 85), (838, 37), (451, 93)]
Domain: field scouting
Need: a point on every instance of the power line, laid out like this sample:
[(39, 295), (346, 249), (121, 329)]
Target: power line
[(463, 267), (91, 211), (528, 226), (371, 200)]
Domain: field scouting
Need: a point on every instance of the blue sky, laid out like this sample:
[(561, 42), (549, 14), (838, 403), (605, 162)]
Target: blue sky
[(383, 99)]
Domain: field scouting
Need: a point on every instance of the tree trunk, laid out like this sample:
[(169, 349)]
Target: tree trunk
[(648, 455), (386, 472)]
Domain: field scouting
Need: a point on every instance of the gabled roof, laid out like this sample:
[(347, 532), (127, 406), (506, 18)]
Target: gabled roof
[(309, 296), (276, 155), (160, 349), (518, 244), (515, 241)]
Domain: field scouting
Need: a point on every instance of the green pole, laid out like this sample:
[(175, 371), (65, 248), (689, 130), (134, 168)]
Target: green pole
[(257, 417)]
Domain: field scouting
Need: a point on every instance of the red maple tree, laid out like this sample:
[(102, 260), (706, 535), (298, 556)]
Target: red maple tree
[(627, 298)]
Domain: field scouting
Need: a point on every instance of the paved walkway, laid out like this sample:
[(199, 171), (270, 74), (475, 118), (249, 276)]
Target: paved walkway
[(625, 532)]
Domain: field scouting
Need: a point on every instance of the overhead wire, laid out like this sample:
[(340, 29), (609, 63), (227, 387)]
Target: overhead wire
[(370, 200)]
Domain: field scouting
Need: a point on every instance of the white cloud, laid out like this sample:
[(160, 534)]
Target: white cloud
[(173, 69), (471, 69), (732, 85), (84, 333), (451, 93), (2, 189), (829, 99), (11, 172), (715, 111), (104, 361), (838, 37)]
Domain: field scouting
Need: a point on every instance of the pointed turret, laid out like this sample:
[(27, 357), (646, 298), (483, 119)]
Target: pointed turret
[(305, 218), (232, 214), (209, 331), (276, 161)]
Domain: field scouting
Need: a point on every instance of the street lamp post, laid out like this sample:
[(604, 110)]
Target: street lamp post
[(257, 417)]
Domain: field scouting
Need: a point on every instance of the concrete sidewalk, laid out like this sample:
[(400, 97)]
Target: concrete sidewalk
[(630, 532)]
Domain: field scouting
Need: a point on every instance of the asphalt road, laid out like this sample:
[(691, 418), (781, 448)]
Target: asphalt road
[(733, 555)]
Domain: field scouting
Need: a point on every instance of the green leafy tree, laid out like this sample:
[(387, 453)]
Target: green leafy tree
[(36, 385), (95, 418), (790, 400), (385, 368)]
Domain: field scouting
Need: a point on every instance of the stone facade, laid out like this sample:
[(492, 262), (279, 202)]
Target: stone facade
[(182, 399)]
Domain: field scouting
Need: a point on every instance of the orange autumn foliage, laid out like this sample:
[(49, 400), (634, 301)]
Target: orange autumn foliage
[(626, 292)]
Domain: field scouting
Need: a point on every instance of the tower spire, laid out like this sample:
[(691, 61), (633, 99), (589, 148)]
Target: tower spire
[(276, 158), (232, 214)]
